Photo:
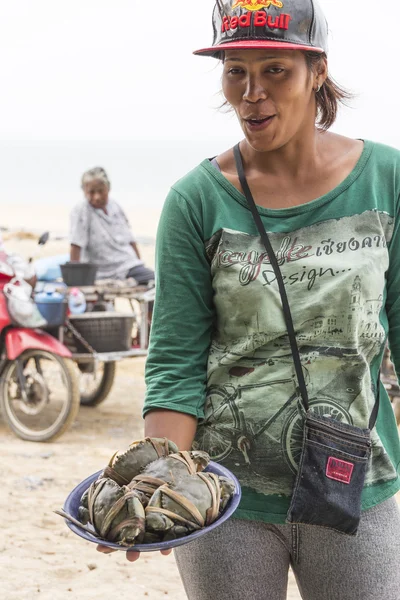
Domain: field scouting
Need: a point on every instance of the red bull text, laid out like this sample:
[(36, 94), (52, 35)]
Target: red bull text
[(258, 19)]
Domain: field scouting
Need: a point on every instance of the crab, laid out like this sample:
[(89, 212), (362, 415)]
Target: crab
[(115, 512), (124, 466), (191, 503), (168, 469)]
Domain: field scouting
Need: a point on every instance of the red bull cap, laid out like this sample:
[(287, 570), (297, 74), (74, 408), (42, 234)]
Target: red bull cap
[(252, 24)]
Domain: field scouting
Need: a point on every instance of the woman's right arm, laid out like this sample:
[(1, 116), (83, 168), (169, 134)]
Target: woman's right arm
[(175, 426), (183, 318)]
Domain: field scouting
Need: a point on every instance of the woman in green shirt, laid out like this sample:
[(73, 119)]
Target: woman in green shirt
[(220, 372)]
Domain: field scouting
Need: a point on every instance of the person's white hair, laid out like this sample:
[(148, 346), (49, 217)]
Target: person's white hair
[(95, 174)]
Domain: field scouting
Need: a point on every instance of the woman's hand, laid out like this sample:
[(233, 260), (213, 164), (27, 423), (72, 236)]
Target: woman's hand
[(131, 555), (177, 427)]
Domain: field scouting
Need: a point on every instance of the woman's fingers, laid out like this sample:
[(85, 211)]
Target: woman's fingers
[(131, 555), (105, 549)]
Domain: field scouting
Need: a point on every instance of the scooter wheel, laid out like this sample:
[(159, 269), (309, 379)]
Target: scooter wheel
[(39, 395), (95, 385)]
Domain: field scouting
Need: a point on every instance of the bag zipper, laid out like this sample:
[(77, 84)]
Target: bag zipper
[(339, 432)]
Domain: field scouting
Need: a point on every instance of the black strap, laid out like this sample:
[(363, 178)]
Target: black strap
[(285, 303), (375, 410)]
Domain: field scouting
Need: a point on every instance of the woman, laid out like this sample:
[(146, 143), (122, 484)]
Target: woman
[(220, 371)]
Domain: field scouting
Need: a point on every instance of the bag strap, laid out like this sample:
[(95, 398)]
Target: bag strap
[(375, 410), (285, 302)]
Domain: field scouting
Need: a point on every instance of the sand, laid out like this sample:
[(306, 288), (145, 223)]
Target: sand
[(39, 556)]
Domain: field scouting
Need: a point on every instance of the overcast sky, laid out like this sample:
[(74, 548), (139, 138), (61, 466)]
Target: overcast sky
[(124, 69)]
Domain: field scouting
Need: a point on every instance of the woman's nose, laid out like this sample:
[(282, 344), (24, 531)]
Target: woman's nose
[(255, 90)]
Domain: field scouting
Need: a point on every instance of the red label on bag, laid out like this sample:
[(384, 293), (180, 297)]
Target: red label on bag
[(340, 470)]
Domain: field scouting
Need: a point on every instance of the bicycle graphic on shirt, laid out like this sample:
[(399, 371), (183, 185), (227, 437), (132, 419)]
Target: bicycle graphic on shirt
[(225, 429)]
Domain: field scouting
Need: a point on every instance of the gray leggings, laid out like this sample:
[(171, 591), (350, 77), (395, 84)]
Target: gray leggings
[(249, 560)]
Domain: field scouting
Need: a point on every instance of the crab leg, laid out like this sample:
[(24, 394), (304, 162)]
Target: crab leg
[(76, 522)]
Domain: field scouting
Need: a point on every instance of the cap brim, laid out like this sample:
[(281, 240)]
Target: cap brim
[(254, 44)]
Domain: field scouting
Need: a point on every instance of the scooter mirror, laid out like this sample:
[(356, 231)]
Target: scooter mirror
[(44, 238)]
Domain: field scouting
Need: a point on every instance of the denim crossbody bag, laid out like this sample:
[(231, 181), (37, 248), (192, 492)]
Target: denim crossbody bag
[(334, 458)]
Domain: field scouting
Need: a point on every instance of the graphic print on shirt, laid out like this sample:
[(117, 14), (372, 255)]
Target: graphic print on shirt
[(334, 278)]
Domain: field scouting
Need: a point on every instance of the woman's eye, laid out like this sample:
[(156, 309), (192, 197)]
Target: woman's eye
[(271, 70)]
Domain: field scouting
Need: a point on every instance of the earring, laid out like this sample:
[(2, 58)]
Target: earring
[(318, 89)]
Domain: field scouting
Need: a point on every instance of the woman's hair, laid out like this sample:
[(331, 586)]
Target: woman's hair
[(96, 174), (330, 95)]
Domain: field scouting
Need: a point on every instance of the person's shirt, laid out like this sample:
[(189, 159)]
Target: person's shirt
[(219, 349), (104, 238)]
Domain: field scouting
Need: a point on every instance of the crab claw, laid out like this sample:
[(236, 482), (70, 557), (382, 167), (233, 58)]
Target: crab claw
[(157, 522), (201, 459), (131, 530), (115, 512), (83, 511), (227, 488)]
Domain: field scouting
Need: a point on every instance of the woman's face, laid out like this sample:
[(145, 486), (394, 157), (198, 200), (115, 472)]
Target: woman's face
[(272, 94), (96, 193)]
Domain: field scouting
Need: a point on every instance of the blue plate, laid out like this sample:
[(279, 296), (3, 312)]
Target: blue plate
[(72, 503)]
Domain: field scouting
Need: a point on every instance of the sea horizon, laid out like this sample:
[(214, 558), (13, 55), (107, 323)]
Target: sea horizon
[(141, 172)]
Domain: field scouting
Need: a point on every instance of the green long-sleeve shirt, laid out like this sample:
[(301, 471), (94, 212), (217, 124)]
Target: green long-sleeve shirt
[(219, 349)]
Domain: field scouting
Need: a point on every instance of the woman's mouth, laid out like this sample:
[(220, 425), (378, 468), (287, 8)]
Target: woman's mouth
[(259, 124)]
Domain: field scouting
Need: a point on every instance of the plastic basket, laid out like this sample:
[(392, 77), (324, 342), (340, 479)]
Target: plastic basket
[(104, 331), (54, 313), (78, 273)]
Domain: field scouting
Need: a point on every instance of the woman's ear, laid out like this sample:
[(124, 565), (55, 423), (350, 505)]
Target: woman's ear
[(321, 71)]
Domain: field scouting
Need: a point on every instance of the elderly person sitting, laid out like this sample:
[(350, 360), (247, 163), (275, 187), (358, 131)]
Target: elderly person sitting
[(100, 233)]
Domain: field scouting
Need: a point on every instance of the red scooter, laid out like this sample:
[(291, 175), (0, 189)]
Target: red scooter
[(39, 391)]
